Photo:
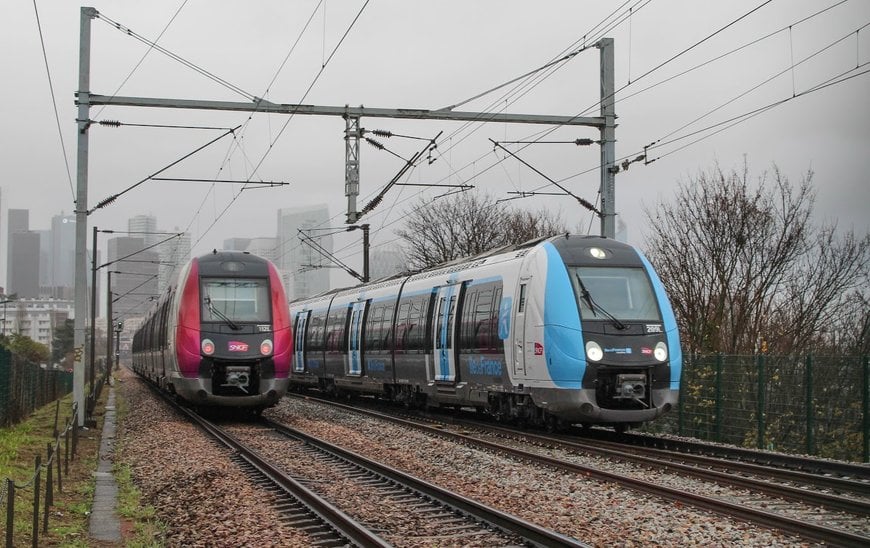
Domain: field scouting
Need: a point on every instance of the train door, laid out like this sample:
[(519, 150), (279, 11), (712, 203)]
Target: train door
[(520, 332), (353, 361), (443, 333), (299, 343)]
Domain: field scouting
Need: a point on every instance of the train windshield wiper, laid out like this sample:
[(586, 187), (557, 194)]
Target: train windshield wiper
[(593, 305), (213, 309)]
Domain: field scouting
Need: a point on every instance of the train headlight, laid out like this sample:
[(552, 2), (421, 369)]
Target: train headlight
[(207, 347), (593, 351), (661, 352), (266, 347)]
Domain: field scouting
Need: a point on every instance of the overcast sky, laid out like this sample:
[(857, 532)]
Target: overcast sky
[(406, 54)]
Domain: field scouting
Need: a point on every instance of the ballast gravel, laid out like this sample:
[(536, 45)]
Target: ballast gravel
[(594, 512), (204, 499)]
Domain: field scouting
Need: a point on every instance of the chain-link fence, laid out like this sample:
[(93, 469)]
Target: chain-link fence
[(26, 386), (797, 404)]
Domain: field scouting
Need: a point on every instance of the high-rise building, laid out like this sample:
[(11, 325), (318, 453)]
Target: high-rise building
[(18, 220), (173, 255), (302, 266), (236, 244), (63, 251), (145, 227), (134, 279), (265, 247), (45, 261), (23, 268)]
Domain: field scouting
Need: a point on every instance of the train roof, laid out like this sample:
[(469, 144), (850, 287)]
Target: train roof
[(232, 264), (570, 245)]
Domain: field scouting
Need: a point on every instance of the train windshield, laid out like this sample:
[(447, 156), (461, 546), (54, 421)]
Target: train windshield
[(235, 300), (618, 294)]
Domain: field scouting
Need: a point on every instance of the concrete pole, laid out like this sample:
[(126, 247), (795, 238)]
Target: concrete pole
[(608, 140), (110, 324), (92, 352), (81, 264)]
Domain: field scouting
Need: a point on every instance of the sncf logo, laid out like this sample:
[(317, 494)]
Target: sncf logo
[(539, 349), (237, 346)]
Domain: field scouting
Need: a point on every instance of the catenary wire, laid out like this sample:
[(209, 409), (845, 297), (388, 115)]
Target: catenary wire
[(54, 103), (144, 55), (154, 45)]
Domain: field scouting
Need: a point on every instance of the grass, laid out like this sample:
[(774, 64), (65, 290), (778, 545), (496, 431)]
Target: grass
[(68, 516)]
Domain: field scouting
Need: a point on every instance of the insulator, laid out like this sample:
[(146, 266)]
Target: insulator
[(583, 142), (375, 144), (111, 123), (382, 133), (106, 202)]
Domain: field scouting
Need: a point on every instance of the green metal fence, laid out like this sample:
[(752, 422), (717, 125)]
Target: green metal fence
[(26, 386), (817, 405)]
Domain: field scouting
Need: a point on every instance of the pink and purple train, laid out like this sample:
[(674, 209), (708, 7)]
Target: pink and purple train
[(221, 336)]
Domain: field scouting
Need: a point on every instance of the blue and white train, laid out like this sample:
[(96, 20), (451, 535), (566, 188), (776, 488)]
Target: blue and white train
[(563, 330)]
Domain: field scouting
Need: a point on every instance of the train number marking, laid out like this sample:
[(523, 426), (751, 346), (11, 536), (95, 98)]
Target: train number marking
[(653, 328)]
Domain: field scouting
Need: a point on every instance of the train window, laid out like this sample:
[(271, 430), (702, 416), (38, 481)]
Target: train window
[(236, 299), (336, 329), (427, 314), (410, 335), (625, 293), (316, 329), (374, 328), (466, 322), (479, 321), (388, 325), (521, 306), (446, 310)]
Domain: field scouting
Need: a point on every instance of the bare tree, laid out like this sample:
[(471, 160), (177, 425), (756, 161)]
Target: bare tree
[(745, 268), (467, 224)]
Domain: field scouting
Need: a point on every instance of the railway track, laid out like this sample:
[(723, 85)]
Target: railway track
[(419, 513), (803, 504), (302, 508), (859, 473)]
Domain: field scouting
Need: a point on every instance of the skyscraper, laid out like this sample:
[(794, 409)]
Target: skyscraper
[(24, 264), (22, 256), (265, 247), (134, 283), (62, 257), (300, 265), (17, 221), (173, 254), (145, 227)]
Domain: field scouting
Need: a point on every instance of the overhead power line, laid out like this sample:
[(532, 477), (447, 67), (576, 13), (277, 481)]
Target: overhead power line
[(54, 103), (189, 64), (289, 118), (114, 197), (144, 55)]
